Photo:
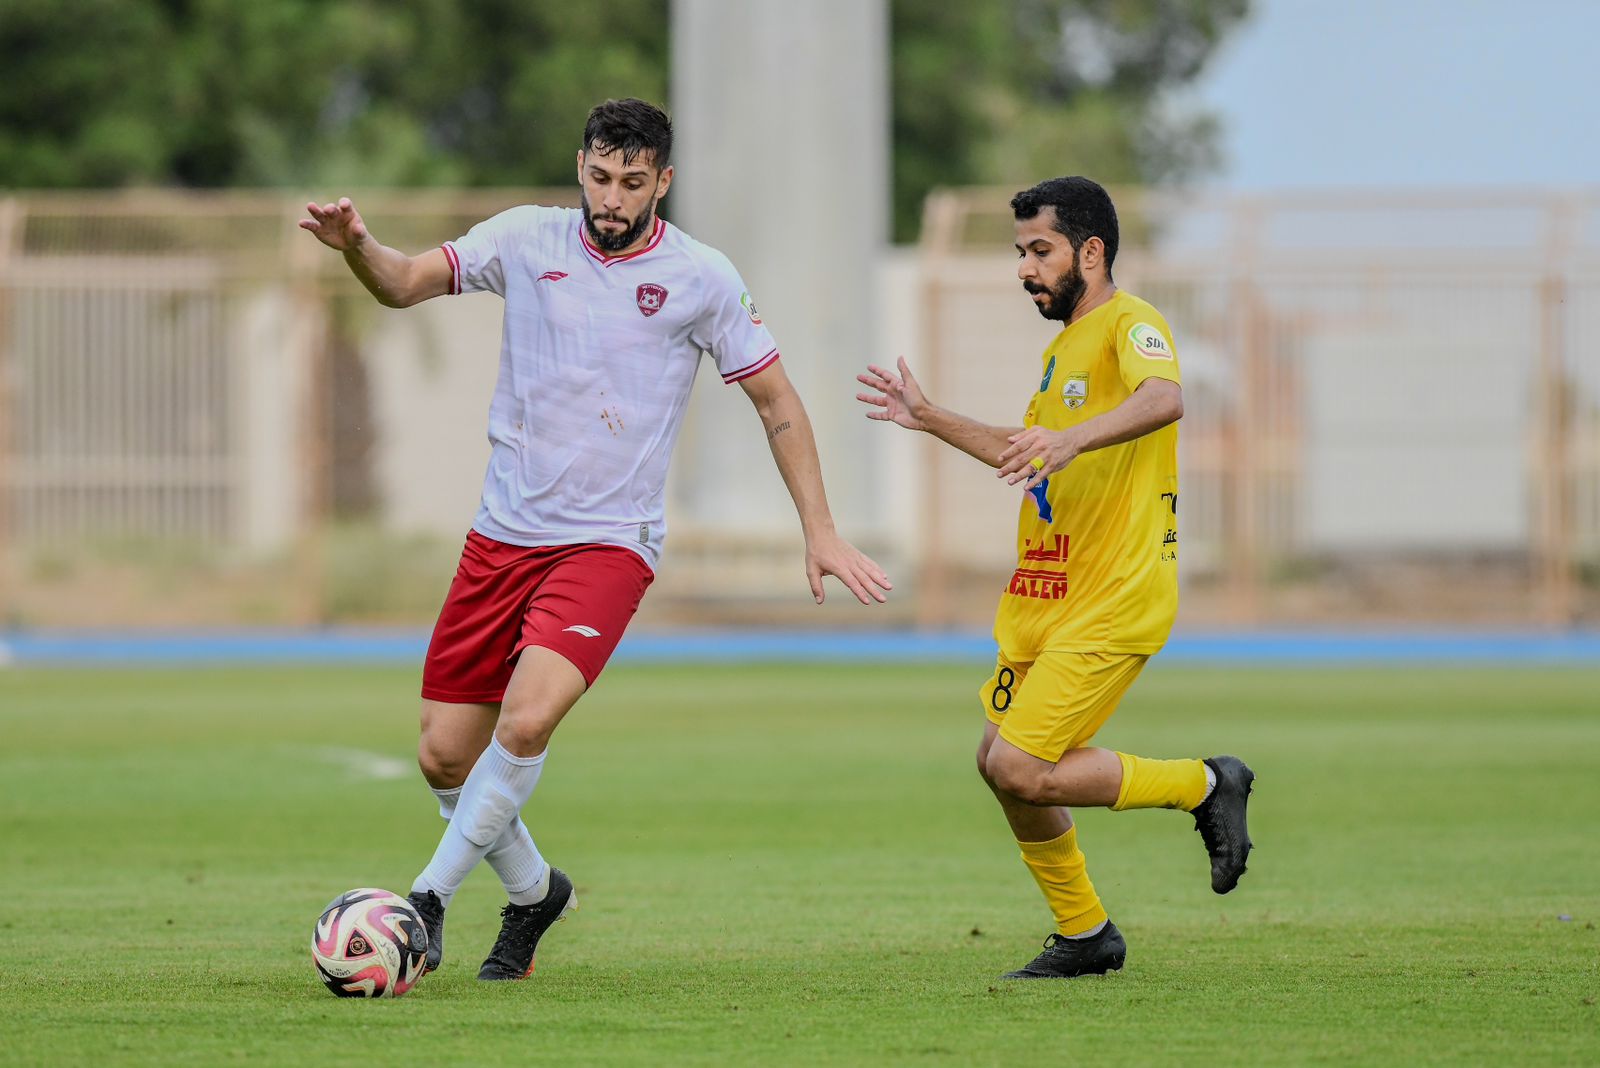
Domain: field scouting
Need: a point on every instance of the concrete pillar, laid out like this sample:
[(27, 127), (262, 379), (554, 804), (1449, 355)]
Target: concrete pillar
[(781, 112)]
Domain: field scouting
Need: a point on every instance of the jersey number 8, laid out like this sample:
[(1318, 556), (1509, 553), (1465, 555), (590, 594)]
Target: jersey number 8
[(1004, 679)]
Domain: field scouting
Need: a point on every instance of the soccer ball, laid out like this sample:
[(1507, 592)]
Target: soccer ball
[(369, 944)]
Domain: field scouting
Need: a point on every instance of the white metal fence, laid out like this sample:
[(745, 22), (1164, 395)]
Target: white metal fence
[(1393, 410)]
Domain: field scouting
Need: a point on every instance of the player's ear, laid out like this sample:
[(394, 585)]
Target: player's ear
[(1092, 253), (580, 166), (663, 181)]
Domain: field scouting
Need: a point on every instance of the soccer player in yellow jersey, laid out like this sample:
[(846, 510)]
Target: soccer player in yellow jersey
[(1096, 585)]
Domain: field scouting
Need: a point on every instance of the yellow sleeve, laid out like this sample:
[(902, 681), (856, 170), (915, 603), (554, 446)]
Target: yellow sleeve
[(1144, 348)]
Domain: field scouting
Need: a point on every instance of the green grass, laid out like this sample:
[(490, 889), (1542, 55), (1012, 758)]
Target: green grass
[(784, 865)]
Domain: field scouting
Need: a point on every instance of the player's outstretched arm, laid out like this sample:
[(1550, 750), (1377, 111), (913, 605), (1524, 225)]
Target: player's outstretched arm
[(1037, 453), (395, 279), (899, 399), (794, 447)]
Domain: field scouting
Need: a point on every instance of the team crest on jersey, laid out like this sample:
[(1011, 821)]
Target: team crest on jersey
[(1150, 342), (1075, 391), (651, 298), (1049, 369), (749, 307)]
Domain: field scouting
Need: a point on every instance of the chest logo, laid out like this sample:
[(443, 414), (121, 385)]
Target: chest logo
[(651, 298), (1075, 391), (552, 276), (1049, 370), (1150, 342)]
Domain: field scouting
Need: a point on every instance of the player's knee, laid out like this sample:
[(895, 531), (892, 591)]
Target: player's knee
[(525, 730), (444, 768), (1016, 778)]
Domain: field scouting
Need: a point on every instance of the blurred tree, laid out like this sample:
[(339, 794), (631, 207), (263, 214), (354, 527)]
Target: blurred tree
[(344, 93), (1012, 91), (77, 106), (313, 92)]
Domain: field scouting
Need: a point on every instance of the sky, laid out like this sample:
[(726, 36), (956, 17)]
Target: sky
[(1408, 93)]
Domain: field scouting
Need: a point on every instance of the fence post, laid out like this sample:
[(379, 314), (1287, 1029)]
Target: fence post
[(10, 227), (1553, 547), (941, 218), (309, 300), (1244, 501)]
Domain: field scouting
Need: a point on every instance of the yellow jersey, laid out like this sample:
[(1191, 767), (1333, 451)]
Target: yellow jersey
[(1097, 543)]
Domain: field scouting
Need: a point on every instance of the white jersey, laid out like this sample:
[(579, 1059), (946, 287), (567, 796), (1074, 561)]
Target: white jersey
[(597, 357)]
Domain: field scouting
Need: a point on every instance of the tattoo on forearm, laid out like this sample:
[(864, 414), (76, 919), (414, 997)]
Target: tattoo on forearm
[(775, 431)]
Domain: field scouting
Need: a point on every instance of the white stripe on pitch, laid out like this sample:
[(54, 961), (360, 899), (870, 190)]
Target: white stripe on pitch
[(365, 764)]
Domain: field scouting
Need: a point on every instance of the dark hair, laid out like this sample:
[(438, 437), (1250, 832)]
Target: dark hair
[(1083, 210), (637, 127)]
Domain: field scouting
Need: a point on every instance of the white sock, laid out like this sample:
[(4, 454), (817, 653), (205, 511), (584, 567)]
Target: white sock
[(499, 784), (447, 800), (513, 856), (1091, 932), (523, 872), (1211, 782)]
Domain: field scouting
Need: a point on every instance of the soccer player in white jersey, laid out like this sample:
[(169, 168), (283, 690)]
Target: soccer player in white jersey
[(608, 310)]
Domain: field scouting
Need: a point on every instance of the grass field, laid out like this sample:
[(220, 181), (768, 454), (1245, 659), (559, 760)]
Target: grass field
[(784, 865)]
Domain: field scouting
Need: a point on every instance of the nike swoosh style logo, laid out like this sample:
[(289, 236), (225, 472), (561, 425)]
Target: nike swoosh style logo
[(552, 276), (587, 632)]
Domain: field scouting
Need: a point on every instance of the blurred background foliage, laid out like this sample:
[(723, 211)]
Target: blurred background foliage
[(330, 93)]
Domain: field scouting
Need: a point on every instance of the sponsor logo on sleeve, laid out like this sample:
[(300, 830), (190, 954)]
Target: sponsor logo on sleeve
[(1050, 369), (1169, 543), (1150, 342), (749, 307), (651, 298), (1041, 498), (1075, 391)]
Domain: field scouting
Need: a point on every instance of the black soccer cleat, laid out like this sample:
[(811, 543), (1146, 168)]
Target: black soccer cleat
[(1220, 819), (521, 927), (1068, 958), (431, 909)]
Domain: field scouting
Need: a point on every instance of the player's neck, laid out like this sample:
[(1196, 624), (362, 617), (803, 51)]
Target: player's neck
[(1097, 294)]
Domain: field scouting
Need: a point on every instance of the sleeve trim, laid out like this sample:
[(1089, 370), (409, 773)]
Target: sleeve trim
[(455, 267), (760, 365)]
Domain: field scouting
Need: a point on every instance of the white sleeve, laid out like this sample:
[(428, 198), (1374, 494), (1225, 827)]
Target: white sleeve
[(729, 327), (476, 258)]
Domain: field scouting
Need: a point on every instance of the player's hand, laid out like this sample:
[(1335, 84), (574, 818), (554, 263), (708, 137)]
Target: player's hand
[(831, 555), (1035, 455), (899, 399), (338, 226)]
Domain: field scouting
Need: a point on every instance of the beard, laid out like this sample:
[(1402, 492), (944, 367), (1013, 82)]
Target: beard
[(621, 239), (1063, 296)]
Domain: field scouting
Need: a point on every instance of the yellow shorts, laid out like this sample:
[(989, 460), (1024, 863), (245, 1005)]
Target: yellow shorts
[(1058, 701)]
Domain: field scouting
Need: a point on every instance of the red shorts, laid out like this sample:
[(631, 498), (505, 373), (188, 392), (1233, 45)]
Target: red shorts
[(574, 599)]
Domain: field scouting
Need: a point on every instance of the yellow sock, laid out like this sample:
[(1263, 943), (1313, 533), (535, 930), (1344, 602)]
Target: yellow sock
[(1058, 868), (1148, 783)]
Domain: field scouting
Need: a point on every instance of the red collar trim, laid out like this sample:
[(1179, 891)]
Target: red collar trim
[(605, 260)]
